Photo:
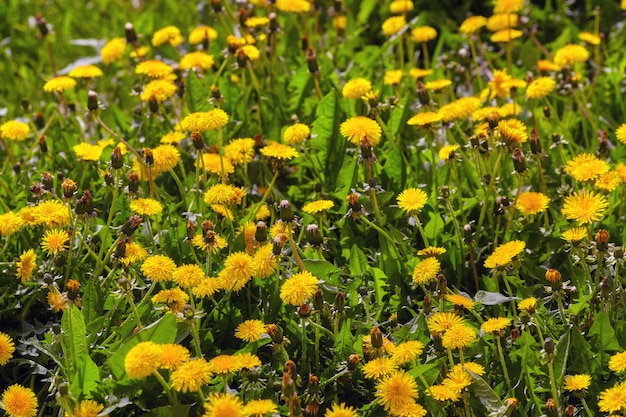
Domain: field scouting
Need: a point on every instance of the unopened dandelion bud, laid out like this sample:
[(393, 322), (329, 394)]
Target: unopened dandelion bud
[(153, 105), (311, 60), (39, 120), (285, 211), (217, 5), (363, 291), (92, 101), (117, 160), (353, 203), (483, 146), (312, 409), (72, 289), (427, 305), (318, 300), (290, 366), (524, 317), (535, 144), (131, 225), (133, 182), (64, 389), (275, 333), (242, 58), (605, 288), (353, 361), (442, 284), (43, 146), (294, 406), (602, 240), (422, 94), (515, 334), (84, 205), (197, 142), (47, 181), (313, 387), (273, 23), (492, 119), (340, 301), (547, 113), (551, 410), (120, 249), (553, 276), (314, 235), (498, 207), (68, 187), (305, 310), (48, 278), (367, 152), (519, 162), (304, 43), (216, 93), (569, 410), (241, 16), (148, 157), (377, 337), (444, 192), (277, 245), (129, 31), (260, 234), (209, 237), (108, 179), (190, 229), (42, 25), (25, 105), (71, 106), (618, 253), (549, 346), (556, 138)]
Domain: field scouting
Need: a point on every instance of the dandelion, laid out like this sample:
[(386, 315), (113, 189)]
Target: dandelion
[(530, 203), (158, 268), (426, 271), (142, 360), (296, 133), (169, 34), (412, 200), (613, 399), (437, 85), (50, 213), (361, 129), (175, 299), (472, 24), (173, 137), (224, 364), (293, 6), (459, 336), (58, 302), (447, 152), (226, 405), (159, 91), (113, 50), (191, 375), (7, 347), (87, 408), (247, 360), (55, 241), (10, 223), (617, 362), (207, 287), (570, 54), (401, 6), (620, 133), (502, 21), (318, 206), (341, 410), (505, 254), (608, 181), (540, 87), (458, 379), (431, 251), (460, 301), (154, 68), (256, 21), (393, 25), (586, 167), (200, 33), (278, 151), (584, 206), (264, 262), (19, 401), (59, 84), (379, 367), (423, 34), (356, 88), (527, 304), (187, 276), (87, 151), (407, 352), (396, 390), (441, 322), (223, 194), (513, 131), (173, 355), (299, 288), (579, 382), (259, 408), (420, 72), (239, 151), (574, 234), (86, 71), (146, 206), (508, 6), (213, 163), (249, 51), (25, 266), (506, 35), (424, 119), (393, 77), (250, 331), (443, 393), (495, 325), (134, 253), (14, 130)]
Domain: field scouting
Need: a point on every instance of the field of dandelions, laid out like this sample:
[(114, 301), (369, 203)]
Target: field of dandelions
[(312, 208)]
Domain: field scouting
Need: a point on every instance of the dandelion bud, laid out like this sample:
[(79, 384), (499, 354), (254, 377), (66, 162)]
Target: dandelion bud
[(277, 245), (42, 25), (64, 389), (294, 406), (549, 346), (518, 161), (483, 146), (605, 288), (207, 225), (551, 410), (618, 253), (153, 105), (314, 235), (547, 113), (25, 105), (216, 93), (311, 60), (444, 192), (313, 387), (39, 120), (92, 101), (312, 409), (553, 276), (196, 140), (131, 35), (188, 312), (190, 229), (133, 182), (43, 146), (208, 237), (353, 203), (120, 250), (290, 367), (85, 204), (569, 410), (353, 361), (427, 305), (275, 333), (69, 187), (556, 138), (422, 94), (535, 145), (515, 334), (377, 337), (242, 58), (442, 284), (602, 240), (304, 43), (304, 311), (47, 181), (366, 150), (340, 301), (117, 161), (148, 157), (48, 278), (132, 224), (468, 234), (285, 211), (273, 22), (260, 234), (217, 6), (318, 300)]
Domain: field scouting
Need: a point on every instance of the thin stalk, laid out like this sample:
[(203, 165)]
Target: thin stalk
[(483, 211), (504, 368), (171, 394), (553, 388)]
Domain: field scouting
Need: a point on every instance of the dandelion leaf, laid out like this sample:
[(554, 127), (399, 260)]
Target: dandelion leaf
[(196, 94)]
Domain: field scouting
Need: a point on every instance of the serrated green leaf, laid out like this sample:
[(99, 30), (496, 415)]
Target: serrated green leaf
[(434, 227), (299, 86), (86, 378), (562, 355), (344, 339), (74, 335), (358, 261), (604, 333), (395, 167), (197, 94), (399, 116), (328, 148), (322, 269)]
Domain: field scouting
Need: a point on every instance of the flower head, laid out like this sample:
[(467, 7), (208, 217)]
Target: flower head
[(259, 408), (505, 254), (617, 363), (584, 206), (14, 130), (577, 382), (19, 401), (570, 54), (153, 68), (356, 88), (296, 133), (495, 325), (423, 34), (393, 25), (191, 375), (396, 390), (318, 206), (173, 355), (59, 84), (426, 271), (574, 234), (506, 35), (200, 33), (608, 181), (472, 24), (146, 206), (166, 157), (407, 351), (169, 34), (424, 119), (278, 151), (202, 121), (620, 133), (613, 399), (443, 393), (458, 336), (10, 223), (7, 347), (55, 241), (113, 50), (501, 21), (238, 270), (240, 151), (513, 131), (530, 203), (88, 151), (441, 322), (527, 304), (341, 410), (225, 405), (412, 200), (250, 330), (508, 6), (175, 299), (158, 90), (87, 408), (264, 261), (293, 6), (437, 85), (393, 77), (142, 360), (158, 268), (86, 71), (134, 253), (25, 266), (447, 152), (401, 6), (379, 367), (586, 167), (360, 129), (460, 301), (299, 288), (187, 276), (540, 87), (207, 287), (224, 364)]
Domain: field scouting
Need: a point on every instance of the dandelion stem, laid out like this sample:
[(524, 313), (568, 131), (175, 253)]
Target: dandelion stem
[(483, 211), (586, 407), (504, 368), (170, 393), (555, 393), (333, 378)]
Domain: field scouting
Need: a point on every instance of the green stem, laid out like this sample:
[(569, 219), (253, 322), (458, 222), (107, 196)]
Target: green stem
[(555, 394), (333, 378), (504, 368), (171, 394), (490, 187)]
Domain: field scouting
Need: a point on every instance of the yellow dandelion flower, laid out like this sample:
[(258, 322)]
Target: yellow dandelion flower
[(412, 200), (87, 408), (87, 151), (191, 375), (575, 234), (472, 24), (420, 72), (474, 367), (249, 51), (55, 241), (159, 91), (240, 151), (250, 330), (158, 268), (505, 254), (447, 152), (256, 21), (443, 393), (49, 213), (620, 168), (586, 167), (223, 194), (407, 352), (296, 133), (7, 347), (620, 133), (458, 379), (58, 302), (617, 362), (527, 304), (223, 211), (169, 34), (264, 262), (508, 6), (86, 71), (401, 6), (142, 360), (247, 360), (423, 34), (506, 35), (238, 270), (547, 66), (540, 87), (495, 325), (59, 84), (200, 33), (226, 405), (19, 401), (613, 399), (502, 21), (175, 299), (10, 223), (578, 382), (460, 301), (113, 50), (173, 137), (441, 322), (207, 287), (424, 119), (14, 130), (299, 288), (146, 207), (166, 157), (260, 408), (432, 251), (187, 276), (224, 364), (499, 86), (202, 121), (318, 206), (293, 6), (154, 68), (437, 85), (571, 54), (426, 271), (513, 131), (134, 253), (25, 266), (459, 336), (584, 206), (356, 88), (141, 52), (340, 22), (173, 355), (530, 203), (279, 151), (396, 390), (393, 25), (213, 163), (379, 368), (608, 181)]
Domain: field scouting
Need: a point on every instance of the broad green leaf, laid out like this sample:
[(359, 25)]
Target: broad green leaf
[(74, 335), (486, 394), (399, 116), (169, 411), (562, 356), (434, 227), (86, 379), (366, 8), (90, 302), (322, 270), (344, 339), (328, 147), (299, 85), (395, 167), (197, 94), (358, 261), (346, 178), (380, 284), (604, 333)]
